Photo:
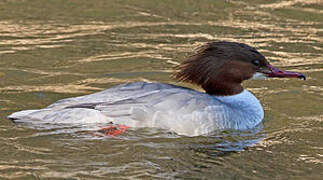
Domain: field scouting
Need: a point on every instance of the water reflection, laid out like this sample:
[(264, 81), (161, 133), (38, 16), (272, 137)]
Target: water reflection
[(284, 4), (126, 55), (58, 88)]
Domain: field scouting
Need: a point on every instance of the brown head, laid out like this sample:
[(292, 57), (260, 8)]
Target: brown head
[(220, 67)]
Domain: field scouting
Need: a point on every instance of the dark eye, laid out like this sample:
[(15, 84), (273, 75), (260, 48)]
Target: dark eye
[(255, 62)]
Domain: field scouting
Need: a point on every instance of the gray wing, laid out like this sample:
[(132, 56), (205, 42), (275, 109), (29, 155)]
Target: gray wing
[(120, 93), (137, 104), (116, 101)]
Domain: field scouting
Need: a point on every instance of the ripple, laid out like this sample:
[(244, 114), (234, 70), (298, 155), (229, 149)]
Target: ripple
[(125, 55), (310, 159), (58, 88), (283, 4)]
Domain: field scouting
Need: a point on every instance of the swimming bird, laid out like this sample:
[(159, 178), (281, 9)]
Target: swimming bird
[(218, 67)]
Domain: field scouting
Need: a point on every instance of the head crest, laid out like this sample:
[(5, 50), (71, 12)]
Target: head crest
[(203, 65)]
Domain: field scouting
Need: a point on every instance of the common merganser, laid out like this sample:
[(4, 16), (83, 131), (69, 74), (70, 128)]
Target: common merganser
[(218, 67)]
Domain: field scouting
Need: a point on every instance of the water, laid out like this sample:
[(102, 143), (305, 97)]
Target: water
[(51, 50)]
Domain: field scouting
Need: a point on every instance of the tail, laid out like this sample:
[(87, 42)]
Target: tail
[(25, 115)]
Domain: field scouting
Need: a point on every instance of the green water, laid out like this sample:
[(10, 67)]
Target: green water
[(50, 50)]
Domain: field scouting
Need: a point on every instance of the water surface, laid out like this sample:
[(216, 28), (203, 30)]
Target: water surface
[(51, 50)]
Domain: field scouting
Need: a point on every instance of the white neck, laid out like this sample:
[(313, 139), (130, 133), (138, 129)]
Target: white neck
[(246, 110)]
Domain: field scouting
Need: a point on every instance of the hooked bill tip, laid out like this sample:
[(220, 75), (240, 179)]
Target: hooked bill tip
[(302, 76)]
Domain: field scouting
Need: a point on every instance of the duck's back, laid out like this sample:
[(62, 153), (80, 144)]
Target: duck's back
[(140, 104)]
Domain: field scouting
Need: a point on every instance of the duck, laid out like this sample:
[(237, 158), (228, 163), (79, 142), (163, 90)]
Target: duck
[(218, 67)]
